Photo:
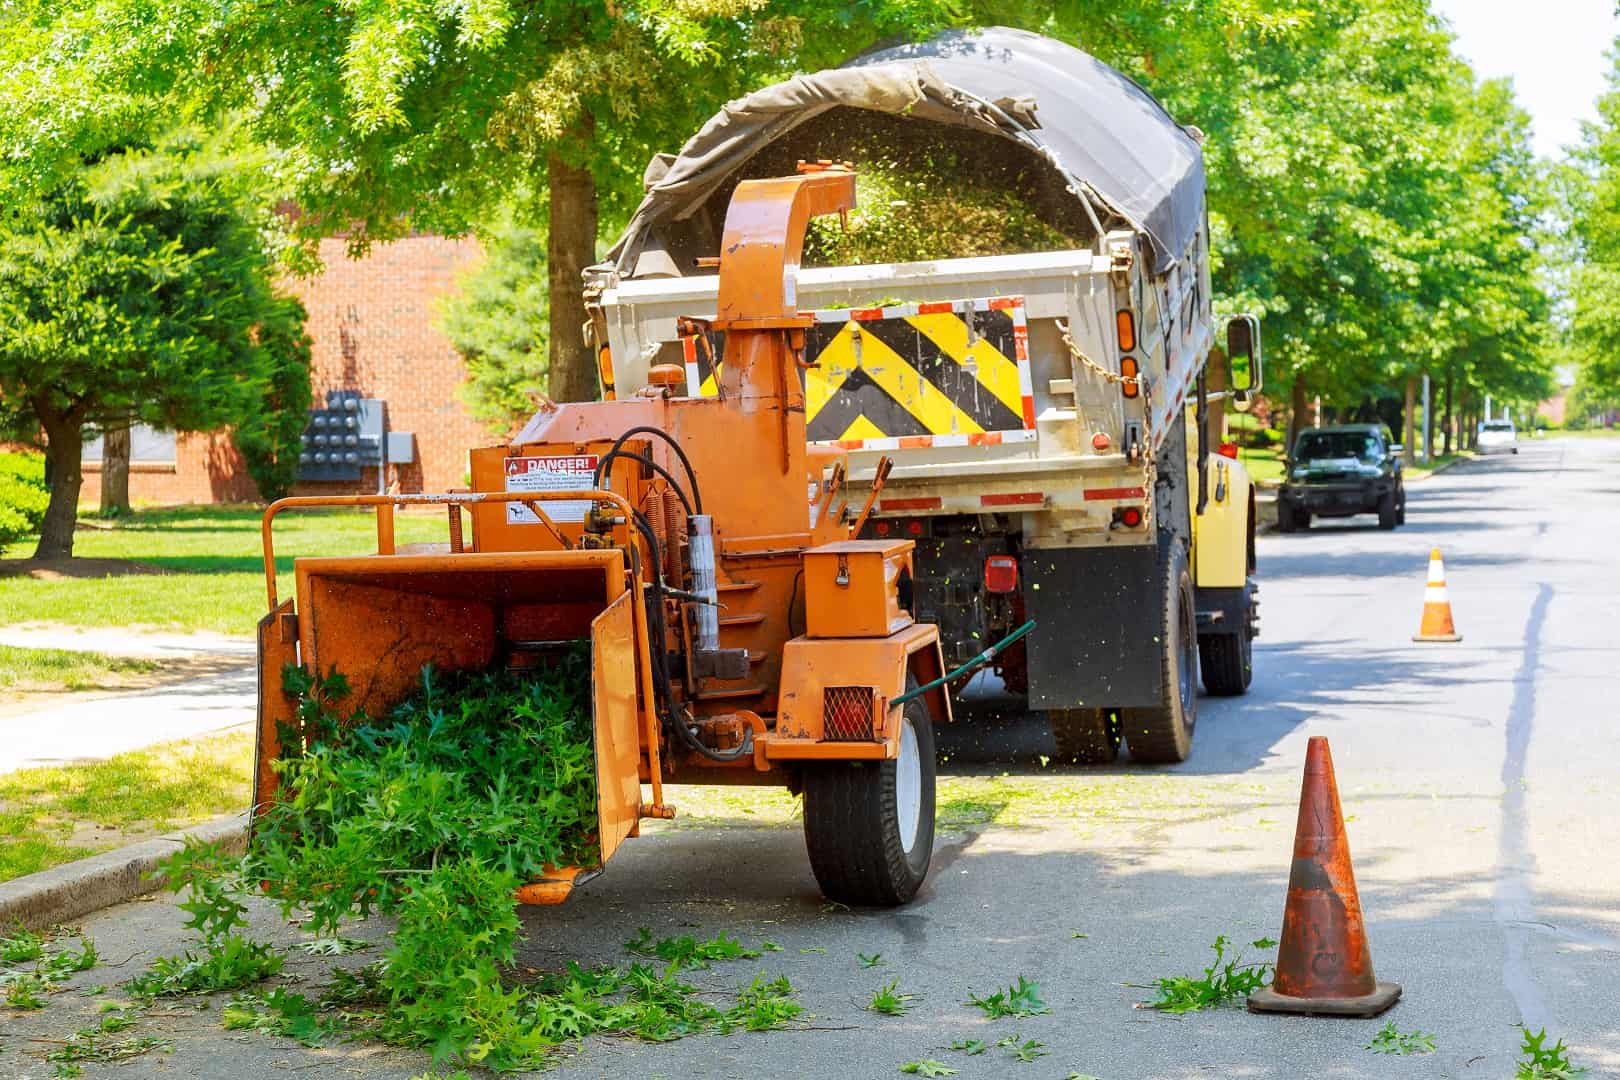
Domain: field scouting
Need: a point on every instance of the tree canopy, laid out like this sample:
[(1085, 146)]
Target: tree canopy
[(139, 288)]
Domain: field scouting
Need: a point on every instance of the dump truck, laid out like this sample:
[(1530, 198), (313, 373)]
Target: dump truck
[(738, 634), (1047, 425)]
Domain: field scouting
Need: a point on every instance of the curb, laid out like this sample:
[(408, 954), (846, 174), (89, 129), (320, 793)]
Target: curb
[(64, 893)]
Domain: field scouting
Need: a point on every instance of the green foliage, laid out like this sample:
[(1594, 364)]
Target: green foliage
[(904, 214), (270, 437), (496, 319), (889, 1001), (332, 946), (136, 287), (872, 961), (26, 989), (1023, 998), (687, 952), (1543, 1062), (1390, 1040), (1227, 979), (928, 1067), (1023, 1050), (93, 1044), (280, 1012), (227, 962), (970, 1047), (21, 946), (23, 496), (23, 992)]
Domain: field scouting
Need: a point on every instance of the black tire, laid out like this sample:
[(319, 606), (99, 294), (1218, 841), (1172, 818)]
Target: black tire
[(1400, 505), (1226, 661), (852, 823), (1386, 511), (1162, 734), (1085, 736), (1302, 520), (1286, 522)]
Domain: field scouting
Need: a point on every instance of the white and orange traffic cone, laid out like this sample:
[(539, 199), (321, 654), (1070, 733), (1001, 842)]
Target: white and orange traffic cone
[(1437, 624)]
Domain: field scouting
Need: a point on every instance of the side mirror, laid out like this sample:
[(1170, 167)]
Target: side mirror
[(1243, 356), (1396, 449)]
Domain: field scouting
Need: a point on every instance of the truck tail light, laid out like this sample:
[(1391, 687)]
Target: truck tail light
[(1129, 516), (1127, 330), (1129, 369), (1228, 449), (1000, 574)]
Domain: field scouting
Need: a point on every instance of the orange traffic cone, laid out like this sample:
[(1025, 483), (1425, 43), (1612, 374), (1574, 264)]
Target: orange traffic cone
[(1437, 624), (1323, 965)]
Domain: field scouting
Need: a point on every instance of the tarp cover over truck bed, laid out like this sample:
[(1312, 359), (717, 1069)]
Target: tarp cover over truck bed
[(1094, 124)]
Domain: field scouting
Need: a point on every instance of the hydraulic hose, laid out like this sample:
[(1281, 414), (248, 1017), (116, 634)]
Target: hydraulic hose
[(972, 665), (686, 462)]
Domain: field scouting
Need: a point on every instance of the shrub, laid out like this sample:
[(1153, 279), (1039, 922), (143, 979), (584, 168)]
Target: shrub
[(23, 496)]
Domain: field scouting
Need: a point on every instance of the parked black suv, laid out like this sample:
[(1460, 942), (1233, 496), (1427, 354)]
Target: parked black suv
[(1340, 471)]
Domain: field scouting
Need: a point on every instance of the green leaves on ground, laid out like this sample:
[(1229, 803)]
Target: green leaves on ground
[(1020, 999), (25, 989), (872, 961), (687, 952), (280, 1012), (1022, 1050), (1226, 979), (927, 1067), (95, 1044), (970, 1047), (1389, 1040), (890, 1001), (1543, 1062)]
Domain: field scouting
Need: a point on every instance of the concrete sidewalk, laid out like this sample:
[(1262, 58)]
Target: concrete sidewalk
[(55, 729)]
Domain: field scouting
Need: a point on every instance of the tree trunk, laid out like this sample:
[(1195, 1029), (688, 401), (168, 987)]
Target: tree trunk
[(570, 248), (1409, 422), (115, 470), (1446, 431), (64, 449), (1296, 413)]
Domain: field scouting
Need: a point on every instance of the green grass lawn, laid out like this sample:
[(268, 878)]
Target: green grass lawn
[(65, 669), (211, 567), (55, 815)]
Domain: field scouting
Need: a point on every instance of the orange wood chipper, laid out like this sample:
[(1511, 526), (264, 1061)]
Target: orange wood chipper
[(738, 634)]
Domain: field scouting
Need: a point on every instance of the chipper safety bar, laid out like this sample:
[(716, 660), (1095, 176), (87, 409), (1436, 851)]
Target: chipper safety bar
[(738, 634)]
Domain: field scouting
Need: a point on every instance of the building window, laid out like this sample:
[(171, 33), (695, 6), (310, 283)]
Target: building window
[(147, 446)]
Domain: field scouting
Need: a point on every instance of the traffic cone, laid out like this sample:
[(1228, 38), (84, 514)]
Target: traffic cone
[(1323, 965), (1437, 624)]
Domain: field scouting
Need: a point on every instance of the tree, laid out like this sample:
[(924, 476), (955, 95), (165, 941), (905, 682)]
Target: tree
[(389, 117), (497, 321), (137, 289)]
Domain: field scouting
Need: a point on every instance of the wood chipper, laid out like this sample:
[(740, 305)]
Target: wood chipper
[(738, 634)]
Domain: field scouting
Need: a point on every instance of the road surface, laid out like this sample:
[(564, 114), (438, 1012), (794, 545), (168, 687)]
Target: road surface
[(1477, 780)]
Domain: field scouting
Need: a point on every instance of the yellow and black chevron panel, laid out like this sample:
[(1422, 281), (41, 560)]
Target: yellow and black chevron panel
[(954, 373)]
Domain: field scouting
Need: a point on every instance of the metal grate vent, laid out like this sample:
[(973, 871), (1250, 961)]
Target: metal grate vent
[(846, 713)]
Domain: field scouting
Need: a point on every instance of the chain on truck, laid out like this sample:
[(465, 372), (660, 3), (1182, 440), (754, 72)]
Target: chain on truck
[(1046, 425)]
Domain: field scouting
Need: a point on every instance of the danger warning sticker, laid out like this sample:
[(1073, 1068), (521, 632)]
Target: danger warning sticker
[(549, 474)]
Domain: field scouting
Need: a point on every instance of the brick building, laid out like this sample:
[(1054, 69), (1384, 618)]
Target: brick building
[(373, 326)]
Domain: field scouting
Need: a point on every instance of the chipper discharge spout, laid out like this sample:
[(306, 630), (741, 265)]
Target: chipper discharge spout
[(737, 633)]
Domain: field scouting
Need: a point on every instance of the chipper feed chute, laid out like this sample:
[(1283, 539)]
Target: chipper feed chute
[(380, 620)]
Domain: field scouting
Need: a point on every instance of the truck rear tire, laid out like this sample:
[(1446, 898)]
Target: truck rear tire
[(1085, 736), (1162, 734), (869, 825), (1225, 661), (1285, 516)]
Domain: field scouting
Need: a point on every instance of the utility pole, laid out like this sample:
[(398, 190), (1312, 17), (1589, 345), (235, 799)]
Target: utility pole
[(1428, 424)]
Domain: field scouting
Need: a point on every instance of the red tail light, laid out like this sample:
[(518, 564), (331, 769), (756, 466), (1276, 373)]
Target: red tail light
[(1000, 574), (1228, 449), (1129, 516), (882, 528)]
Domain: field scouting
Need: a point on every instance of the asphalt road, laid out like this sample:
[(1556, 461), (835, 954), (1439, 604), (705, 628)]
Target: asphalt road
[(1477, 778)]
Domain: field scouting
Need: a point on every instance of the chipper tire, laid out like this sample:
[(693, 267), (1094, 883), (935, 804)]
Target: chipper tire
[(869, 825), (1085, 736), (1162, 734)]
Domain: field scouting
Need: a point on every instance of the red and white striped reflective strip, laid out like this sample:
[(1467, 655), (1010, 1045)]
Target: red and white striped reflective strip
[(972, 504)]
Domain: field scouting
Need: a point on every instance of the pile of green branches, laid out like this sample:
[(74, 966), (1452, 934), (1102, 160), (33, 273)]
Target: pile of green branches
[(909, 212), (434, 814)]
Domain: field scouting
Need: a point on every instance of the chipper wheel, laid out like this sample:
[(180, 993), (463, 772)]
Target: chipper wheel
[(1162, 734), (869, 825), (1085, 736)]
